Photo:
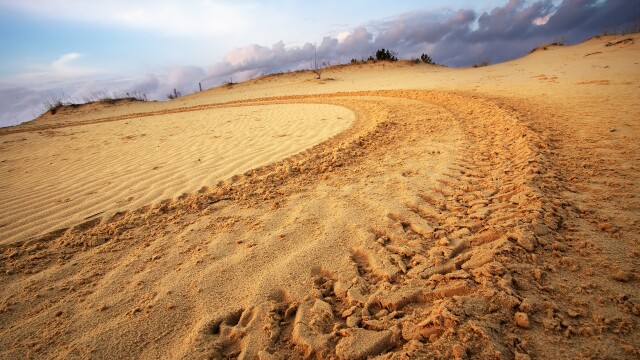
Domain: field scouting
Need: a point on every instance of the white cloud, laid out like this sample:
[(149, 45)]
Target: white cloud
[(168, 17), (63, 60), (543, 20), (343, 35), (62, 69)]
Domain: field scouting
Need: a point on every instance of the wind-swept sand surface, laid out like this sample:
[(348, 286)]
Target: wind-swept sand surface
[(462, 213), (61, 176)]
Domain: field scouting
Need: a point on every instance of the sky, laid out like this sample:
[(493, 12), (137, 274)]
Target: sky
[(74, 50)]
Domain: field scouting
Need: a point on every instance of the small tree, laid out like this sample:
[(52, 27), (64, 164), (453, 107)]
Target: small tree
[(315, 67), (426, 59)]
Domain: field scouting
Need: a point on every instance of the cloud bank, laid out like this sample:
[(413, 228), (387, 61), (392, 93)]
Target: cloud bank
[(62, 81)]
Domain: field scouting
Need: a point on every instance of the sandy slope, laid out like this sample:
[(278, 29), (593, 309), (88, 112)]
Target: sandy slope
[(486, 213)]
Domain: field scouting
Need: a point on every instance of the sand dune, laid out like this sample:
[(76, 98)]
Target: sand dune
[(451, 213), (59, 177)]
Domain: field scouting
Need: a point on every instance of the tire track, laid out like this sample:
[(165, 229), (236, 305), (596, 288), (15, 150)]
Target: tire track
[(455, 242)]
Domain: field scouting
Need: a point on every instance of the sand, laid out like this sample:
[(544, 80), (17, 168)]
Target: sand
[(410, 211), (61, 176)]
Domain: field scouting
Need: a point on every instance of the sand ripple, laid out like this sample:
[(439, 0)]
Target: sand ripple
[(59, 177)]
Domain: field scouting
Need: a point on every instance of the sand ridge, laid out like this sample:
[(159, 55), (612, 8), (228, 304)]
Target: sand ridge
[(441, 224)]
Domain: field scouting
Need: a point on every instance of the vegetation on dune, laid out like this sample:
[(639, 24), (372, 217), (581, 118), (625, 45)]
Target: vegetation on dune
[(427, 59), (557, 41), (55, 102), (52, 104), (386, 55), (390, 55), (114, 97), (482, 63)]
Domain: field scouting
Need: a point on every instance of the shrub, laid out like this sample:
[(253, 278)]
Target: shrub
[(557, 41), (229, 83), (55, 101), (137, 95), (481, 64), (386, 55), (109, 98), (625, 40), (53, 104), (104, 97), (426, 59)]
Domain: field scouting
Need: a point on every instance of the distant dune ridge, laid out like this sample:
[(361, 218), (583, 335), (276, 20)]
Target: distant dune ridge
[(387, 210)]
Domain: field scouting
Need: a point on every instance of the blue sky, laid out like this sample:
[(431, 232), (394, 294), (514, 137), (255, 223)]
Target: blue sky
[(74, 47)]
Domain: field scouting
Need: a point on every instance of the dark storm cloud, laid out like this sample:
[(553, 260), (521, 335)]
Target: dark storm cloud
[(514, 21), (585, 18)]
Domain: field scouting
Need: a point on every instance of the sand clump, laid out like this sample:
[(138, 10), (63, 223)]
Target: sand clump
[(446, 223)]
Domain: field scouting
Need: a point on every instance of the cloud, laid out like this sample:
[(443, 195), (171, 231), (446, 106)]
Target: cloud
[(543, 20), (173, 18), (63, 61), (243, 63), (18, 105), (64, 67), (61, 70), (184, 79)]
